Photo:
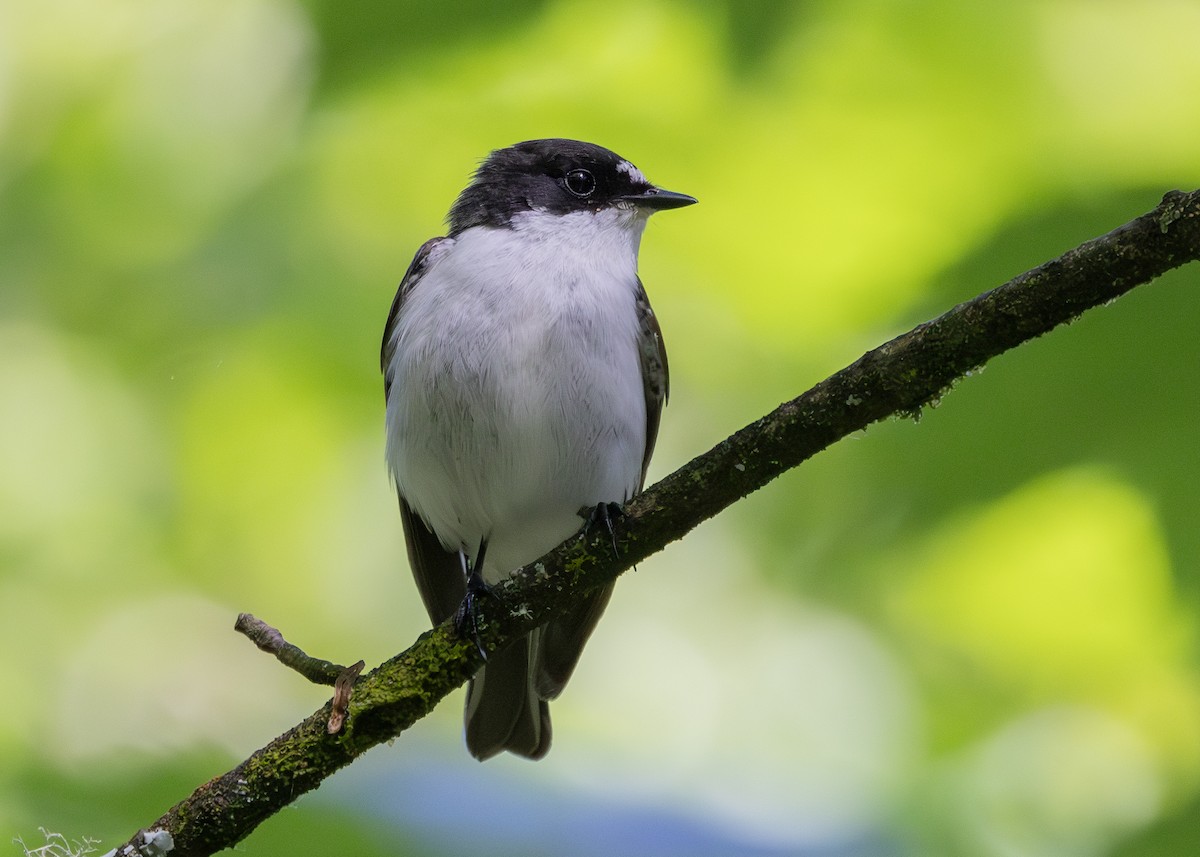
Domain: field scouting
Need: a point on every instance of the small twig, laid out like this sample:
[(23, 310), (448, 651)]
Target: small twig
[(271, 641), (341, 696), (315, 670)]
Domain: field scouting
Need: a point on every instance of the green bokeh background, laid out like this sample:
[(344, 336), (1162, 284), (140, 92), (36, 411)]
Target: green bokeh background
[(971, 635)]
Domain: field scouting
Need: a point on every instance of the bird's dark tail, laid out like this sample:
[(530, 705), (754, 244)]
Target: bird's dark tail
[(504, 711)]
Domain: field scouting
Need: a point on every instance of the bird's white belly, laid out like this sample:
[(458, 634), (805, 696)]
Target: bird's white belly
[(512, 408)]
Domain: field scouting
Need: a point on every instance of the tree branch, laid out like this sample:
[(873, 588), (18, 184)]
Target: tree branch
[(898, 377)]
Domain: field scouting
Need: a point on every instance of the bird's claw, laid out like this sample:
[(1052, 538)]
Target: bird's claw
[(466, 618), (603, 514)]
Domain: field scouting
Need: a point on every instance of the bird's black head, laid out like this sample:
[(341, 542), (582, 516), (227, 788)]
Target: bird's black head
[(557, 176)]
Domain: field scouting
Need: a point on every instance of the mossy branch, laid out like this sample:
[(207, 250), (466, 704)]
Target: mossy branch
[(898, 377)]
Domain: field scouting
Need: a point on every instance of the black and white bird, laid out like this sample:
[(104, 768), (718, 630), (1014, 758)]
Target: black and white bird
[(525, 375)]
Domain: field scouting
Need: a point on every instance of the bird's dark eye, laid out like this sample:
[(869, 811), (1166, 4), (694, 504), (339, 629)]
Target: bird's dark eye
[(581, 183)]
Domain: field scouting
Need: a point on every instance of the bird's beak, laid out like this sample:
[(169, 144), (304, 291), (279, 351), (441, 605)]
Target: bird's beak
[(657, 199)]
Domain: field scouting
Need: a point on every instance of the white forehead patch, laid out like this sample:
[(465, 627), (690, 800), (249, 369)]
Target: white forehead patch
[(635, 175)]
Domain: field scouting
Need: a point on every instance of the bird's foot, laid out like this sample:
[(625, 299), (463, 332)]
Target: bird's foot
[(466, 619), (605, 515)]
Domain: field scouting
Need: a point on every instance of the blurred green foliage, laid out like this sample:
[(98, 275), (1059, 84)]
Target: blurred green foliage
[(974, 635)]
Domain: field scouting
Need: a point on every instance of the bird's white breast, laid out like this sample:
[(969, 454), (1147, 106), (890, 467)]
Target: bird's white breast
[(516, 392)]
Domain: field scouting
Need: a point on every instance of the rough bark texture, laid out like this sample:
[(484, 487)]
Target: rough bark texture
[(899, 377)]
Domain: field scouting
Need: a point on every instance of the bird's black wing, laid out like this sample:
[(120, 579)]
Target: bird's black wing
[(416, 269), (563, 638), (656, 379), (436, 570)]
